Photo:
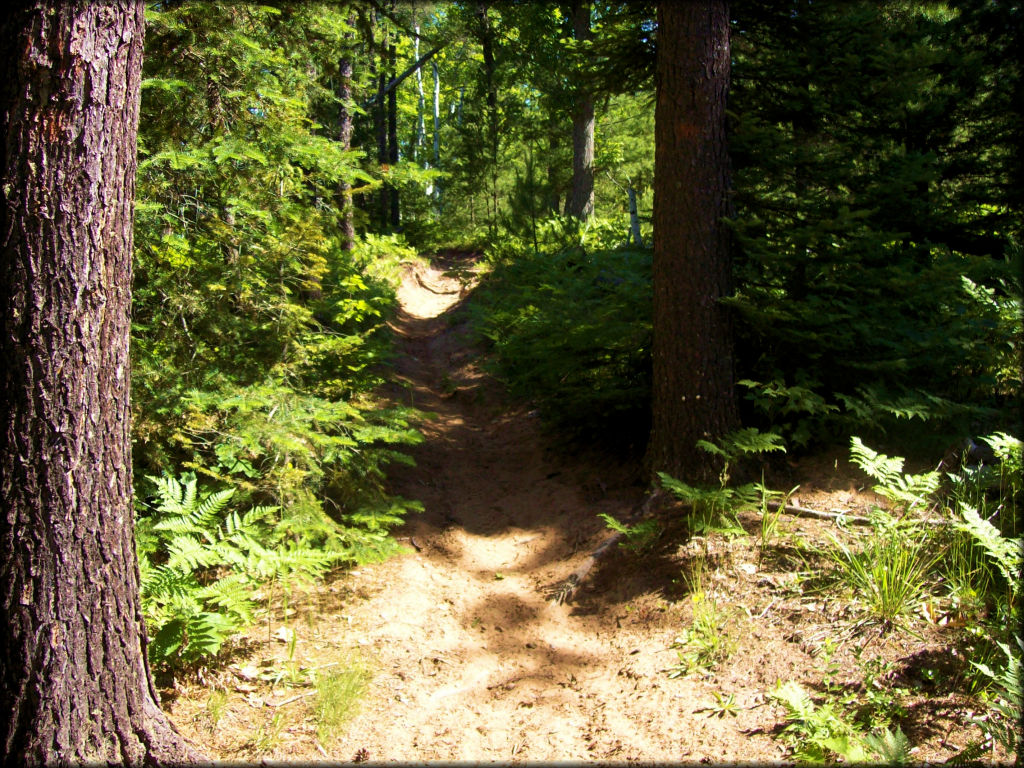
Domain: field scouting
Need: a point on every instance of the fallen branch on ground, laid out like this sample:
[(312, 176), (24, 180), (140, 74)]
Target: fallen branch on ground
[(790, 509), (567, 588), (816, 514)]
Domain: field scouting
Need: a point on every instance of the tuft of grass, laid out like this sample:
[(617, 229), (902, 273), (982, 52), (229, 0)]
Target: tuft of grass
[(215, 706), (707, 642), (337, 697), (890, 573), (268, 735)]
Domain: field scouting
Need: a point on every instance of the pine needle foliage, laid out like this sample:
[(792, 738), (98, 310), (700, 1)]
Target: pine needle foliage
[(259, 336), (872, 146)]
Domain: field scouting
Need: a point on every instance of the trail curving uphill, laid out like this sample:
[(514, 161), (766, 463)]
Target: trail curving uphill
[(471, 661)]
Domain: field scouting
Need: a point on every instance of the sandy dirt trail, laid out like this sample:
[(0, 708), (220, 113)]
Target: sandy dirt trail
[(471, 661)]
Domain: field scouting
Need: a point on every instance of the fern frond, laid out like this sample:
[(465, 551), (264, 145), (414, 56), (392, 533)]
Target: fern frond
[(206, 512), (233, 595), (185, 554), (205, 633), (904, 490), (881, 468), (679, 489), (1007, 553), (751, 440), (795, 699), (890, 747), (164, 583)]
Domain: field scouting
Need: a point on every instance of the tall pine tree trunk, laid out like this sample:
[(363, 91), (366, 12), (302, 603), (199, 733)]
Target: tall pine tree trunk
[(491, 85), (394, 218), (344, 200), (580, 200), (74, 680), (693, 393)]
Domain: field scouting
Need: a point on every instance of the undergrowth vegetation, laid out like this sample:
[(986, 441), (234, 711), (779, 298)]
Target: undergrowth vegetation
[(571, 325), (944, 550), (259, 329), (876, 291)]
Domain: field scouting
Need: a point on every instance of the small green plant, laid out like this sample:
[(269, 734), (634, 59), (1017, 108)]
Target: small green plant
[(268, 734), (883, 702), (1005, 700), (819, 733), (639, 537), (337, 695), (706, 643), (714, 509), (889, 573), (770, 516), (724, 705), (216, 703)]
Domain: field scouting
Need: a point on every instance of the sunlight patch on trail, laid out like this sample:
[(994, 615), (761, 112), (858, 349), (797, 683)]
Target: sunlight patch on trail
[(427, 292)]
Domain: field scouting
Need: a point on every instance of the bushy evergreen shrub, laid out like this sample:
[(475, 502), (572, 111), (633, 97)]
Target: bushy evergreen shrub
[(572, 334)]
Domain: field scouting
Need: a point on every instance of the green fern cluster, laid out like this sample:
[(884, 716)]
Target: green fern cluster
[(979, 557), (715, 508), (818, 733), (202, 563), (906, 492)]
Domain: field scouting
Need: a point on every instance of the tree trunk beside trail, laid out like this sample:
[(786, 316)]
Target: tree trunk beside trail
[(486, 37), (394, 217), (693, 390), (344, 199), (74, 679), (580, 200)]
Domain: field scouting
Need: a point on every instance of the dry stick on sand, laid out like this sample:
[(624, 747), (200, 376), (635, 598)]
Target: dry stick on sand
[(567, 589), (789, 509)]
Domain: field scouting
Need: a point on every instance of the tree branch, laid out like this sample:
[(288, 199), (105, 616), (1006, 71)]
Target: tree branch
[(567, 588), (397, 81), (402, 26)]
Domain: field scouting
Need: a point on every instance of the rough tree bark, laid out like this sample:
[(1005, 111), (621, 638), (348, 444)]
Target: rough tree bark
[(486, 37), (394, 217), (580, 200), (344, 199), (74, 679), (693, 391)]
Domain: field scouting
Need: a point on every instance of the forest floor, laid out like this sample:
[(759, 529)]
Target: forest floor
[(467, 659)]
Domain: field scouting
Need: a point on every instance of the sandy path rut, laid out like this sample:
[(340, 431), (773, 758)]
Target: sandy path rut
[(472, 661)]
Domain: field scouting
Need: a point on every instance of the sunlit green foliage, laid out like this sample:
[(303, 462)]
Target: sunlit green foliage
[(201, 562), (878, 271), (257, 336)]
